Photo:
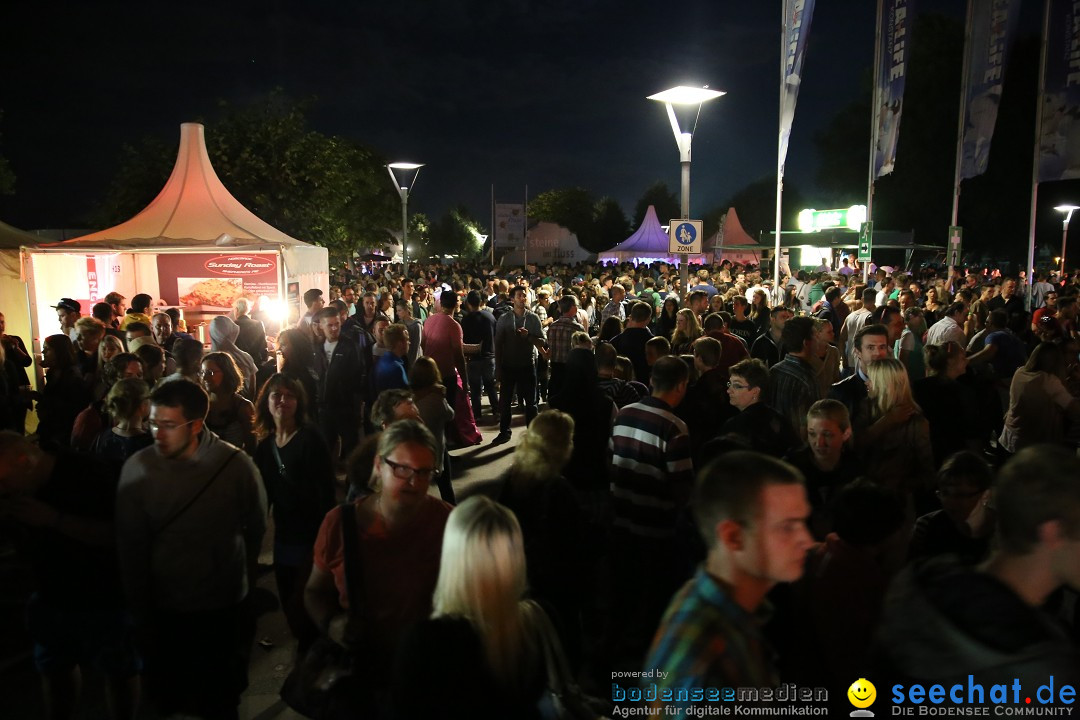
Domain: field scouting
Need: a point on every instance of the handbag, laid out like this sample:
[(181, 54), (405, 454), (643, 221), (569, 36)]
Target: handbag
[(562, 699), (318, 686)]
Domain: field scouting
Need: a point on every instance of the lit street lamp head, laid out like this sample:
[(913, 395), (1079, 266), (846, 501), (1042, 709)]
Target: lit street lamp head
[(403, 182), (683, 95)]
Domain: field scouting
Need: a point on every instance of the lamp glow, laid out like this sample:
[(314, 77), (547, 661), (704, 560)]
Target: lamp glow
[(683, 95)]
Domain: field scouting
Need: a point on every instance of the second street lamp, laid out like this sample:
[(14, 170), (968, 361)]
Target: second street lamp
[(404, 178), (684, 96), (1068, 210)]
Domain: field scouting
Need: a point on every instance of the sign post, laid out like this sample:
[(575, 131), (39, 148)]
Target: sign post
[(684, 237), (866, 241), (956, 238)]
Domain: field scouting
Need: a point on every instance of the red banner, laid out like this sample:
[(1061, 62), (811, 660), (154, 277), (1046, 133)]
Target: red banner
[(216, 281)]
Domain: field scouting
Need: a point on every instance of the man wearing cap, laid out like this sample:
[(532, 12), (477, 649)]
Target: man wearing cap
[(67, 312)]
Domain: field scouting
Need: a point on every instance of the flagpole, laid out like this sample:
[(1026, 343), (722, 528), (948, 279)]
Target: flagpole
[(493, 225), (874, 110), (779, 150), (1038, 142), (525, 233), (962, 122)]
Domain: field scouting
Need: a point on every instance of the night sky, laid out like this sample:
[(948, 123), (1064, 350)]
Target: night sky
[(515, 92)]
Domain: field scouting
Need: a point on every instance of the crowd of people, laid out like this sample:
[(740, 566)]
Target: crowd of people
[(885, 464)]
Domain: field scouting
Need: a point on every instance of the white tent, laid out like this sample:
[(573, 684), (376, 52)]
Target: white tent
[(549, 244), (194, 246)]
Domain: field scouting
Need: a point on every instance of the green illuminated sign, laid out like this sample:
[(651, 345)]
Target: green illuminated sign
[(811, 220)]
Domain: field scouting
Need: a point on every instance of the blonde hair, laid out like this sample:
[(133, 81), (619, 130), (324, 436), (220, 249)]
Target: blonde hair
[(693, 328), (889, 385), (546, 447), (126, 397), (482, 577), (107, 341)]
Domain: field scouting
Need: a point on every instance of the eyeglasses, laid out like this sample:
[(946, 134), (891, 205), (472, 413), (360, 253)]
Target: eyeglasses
[(738, 386), (154, 427), (407, 472)]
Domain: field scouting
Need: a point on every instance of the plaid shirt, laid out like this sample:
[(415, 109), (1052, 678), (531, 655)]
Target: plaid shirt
[(706, 640), (793, 388), (613, 308), (558, 336)]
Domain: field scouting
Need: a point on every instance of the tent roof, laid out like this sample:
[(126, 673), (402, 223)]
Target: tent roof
[(193, 210), (733, 234), (13, 238), (649, 238)]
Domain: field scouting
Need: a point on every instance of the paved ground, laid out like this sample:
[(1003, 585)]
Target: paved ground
[(271, 659)]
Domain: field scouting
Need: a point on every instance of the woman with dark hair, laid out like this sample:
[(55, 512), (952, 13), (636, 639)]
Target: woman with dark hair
[(231, 416), (298, 362), (430, 396), (949, 406), (1039, 402), (64, 396), (95, 417), (611, 327), (665, 323), (759, 312), (296, 469)]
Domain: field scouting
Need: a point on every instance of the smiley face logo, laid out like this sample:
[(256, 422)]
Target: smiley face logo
[(862, 693)]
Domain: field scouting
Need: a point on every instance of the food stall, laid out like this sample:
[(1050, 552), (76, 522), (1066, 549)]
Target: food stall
[(194, 247)]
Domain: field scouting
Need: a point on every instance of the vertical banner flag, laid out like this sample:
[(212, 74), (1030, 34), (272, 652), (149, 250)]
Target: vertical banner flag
[(896, 52), (993, 27), (797, 16), (1059, 136), (509, 224)]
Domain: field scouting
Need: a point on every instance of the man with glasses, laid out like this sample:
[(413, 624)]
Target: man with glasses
[(764, 429), (190, 517)]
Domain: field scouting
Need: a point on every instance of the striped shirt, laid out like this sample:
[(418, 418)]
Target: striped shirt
[(651, 468), (707, 640)]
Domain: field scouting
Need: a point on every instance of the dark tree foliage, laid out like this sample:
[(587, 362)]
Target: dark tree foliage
[(664, 200)]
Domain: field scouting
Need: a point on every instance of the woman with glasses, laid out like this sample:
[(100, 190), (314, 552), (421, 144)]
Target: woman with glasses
[(295, 465), (399, 530), (231, 416)]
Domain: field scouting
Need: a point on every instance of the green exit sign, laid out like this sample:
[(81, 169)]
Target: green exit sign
[(811, 220), (866, 241)]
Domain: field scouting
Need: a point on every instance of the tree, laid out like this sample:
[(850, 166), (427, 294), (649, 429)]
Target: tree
[(455, 233), (598, 224), (322, 189), (755, 205), (665, 201)]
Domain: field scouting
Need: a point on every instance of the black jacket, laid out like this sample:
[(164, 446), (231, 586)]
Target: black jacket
[(856, 398), (340, 383), (252, 339)]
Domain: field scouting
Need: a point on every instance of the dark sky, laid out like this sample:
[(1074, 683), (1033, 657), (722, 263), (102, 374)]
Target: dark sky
[(510, 92)]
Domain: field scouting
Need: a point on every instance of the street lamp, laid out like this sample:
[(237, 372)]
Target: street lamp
[(684, 96), (1068, 210), (407, 172)]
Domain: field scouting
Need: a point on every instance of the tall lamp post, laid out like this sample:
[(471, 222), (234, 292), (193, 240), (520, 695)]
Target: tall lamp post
[(684, 96), (1068, 210), (404, 179)]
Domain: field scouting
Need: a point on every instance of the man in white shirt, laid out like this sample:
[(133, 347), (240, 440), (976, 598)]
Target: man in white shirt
[(855, 322), (885, 291), (950, 327)]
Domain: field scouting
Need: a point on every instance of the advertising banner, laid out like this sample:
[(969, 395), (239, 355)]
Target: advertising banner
[(895, 54), (213, 281), (1059, 142), (992, 31), (509, 224), (797, 16)]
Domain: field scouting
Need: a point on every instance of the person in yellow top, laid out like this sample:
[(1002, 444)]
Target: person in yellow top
[(138, 312)]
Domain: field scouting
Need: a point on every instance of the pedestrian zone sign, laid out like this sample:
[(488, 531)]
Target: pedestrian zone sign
[(684, 237)]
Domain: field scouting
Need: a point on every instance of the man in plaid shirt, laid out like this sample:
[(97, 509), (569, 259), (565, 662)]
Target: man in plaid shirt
[(558, 337), (752, 511)]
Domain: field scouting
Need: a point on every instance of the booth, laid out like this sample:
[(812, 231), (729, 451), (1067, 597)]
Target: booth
[(194, 247), (732, 242), (649, 243)]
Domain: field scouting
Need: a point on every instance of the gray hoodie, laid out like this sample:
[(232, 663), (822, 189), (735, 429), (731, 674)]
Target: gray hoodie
[(200, 561)]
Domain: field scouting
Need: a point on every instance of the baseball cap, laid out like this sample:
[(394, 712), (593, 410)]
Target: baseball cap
[(69, 305)]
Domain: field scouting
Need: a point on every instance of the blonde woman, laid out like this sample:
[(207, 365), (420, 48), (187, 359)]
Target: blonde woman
[(549, 511), (687, 330), (128, 404), (484, 639), (901, 456)]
